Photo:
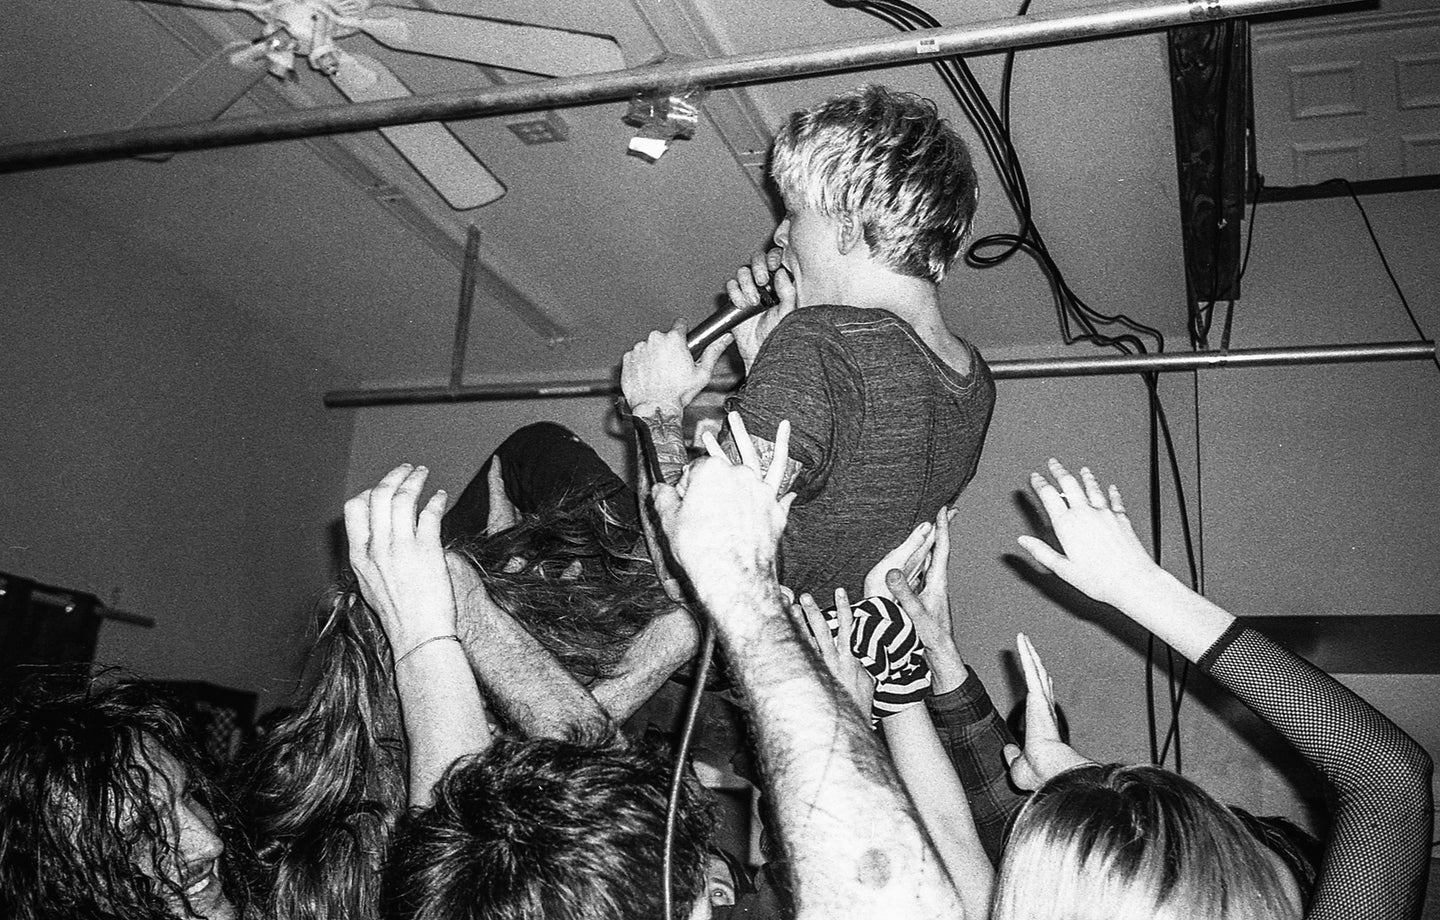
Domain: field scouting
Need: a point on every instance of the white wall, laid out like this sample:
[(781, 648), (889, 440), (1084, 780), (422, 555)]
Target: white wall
[(154, 455)]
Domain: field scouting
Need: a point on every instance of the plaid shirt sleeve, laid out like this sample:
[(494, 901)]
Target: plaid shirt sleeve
[(974, 737)]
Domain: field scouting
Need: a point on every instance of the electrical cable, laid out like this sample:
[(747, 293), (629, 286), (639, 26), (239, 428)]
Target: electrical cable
[(1404, 301), (682, 753), (994, 134), (1203, 332)]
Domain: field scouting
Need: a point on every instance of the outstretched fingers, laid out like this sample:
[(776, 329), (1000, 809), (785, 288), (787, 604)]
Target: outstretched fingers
[(1041, 553), (1069, 486), (749, 456), (1050, 498), (819, 628), (357, 527), (775, 475), (403, 518), (427, 527), (1094, 495), (1040, 718), (846, 616), (382, 497), (712, 446)]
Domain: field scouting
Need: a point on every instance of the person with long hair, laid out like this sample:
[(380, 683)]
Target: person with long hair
[(325, 788), (109, 809)]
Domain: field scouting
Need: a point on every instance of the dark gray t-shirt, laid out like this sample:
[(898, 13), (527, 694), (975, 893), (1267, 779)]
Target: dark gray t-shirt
[(887, 433)]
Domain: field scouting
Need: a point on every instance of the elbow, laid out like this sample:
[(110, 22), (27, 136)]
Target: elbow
[(1404, 785), (1416, 767)]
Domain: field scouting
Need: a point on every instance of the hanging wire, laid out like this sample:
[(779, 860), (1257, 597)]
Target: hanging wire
[(682, 755), (1404, 301)]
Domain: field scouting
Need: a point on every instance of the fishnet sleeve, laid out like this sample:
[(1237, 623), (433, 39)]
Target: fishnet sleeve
[(1377, 856)]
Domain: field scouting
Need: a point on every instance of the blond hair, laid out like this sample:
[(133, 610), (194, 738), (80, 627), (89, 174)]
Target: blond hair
[(1124, 842), (889, 160)]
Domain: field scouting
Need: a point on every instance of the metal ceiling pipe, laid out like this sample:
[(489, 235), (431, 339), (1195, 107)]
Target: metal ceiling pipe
[(909, 48), (1018, 369)]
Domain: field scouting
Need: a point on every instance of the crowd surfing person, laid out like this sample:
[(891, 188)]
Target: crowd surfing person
[(562, 829), (109, 810), (325, 789), (888, 407)]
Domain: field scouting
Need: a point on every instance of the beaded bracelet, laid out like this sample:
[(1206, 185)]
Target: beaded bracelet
[(424, 642)]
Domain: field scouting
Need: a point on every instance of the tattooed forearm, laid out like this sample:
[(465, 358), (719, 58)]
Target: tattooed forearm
[(667, 434)]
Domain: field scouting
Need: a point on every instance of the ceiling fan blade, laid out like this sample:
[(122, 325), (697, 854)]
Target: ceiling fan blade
[(208, 91), (431, 148), (513, 46), (211, 4)]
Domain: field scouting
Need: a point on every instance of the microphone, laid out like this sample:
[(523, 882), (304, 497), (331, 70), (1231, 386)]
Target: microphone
[(727, 318)]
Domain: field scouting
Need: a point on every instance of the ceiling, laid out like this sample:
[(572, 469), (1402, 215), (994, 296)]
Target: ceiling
[(342, 260)]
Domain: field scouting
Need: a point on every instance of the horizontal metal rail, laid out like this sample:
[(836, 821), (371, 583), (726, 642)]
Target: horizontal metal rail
[(912, 47), (1017, 369)]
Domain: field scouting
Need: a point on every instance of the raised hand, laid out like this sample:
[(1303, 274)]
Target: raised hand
[(1101, 554), (397, 558), (910, 558), (659, 373), (929, 608), (1045, 755), (728, 524), (835, 651)]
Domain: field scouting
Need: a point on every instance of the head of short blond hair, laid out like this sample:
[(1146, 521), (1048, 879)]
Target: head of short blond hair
[(1123, 842), (888, 160)]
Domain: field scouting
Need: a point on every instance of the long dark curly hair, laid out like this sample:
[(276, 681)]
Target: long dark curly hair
[(80, 772), (576, 577)]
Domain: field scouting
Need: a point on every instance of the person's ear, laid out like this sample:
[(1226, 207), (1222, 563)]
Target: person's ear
[(849, 233)]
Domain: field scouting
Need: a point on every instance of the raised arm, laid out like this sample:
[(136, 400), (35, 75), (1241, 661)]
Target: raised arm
[(400, 566), (656, 652), (853, 842), (659, 378), (921, 759), (521, 679), (1376, 858), (966, 723)]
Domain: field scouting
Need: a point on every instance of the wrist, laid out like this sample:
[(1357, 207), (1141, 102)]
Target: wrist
[(665, 407), (947, 669), (741, 607), (1143, 589), (415, 650)]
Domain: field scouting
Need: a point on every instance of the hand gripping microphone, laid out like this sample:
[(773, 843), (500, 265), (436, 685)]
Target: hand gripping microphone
[(727, 318)]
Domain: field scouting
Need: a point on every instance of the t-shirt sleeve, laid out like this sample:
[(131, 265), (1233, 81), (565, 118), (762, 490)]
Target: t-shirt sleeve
[(799, 375)]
